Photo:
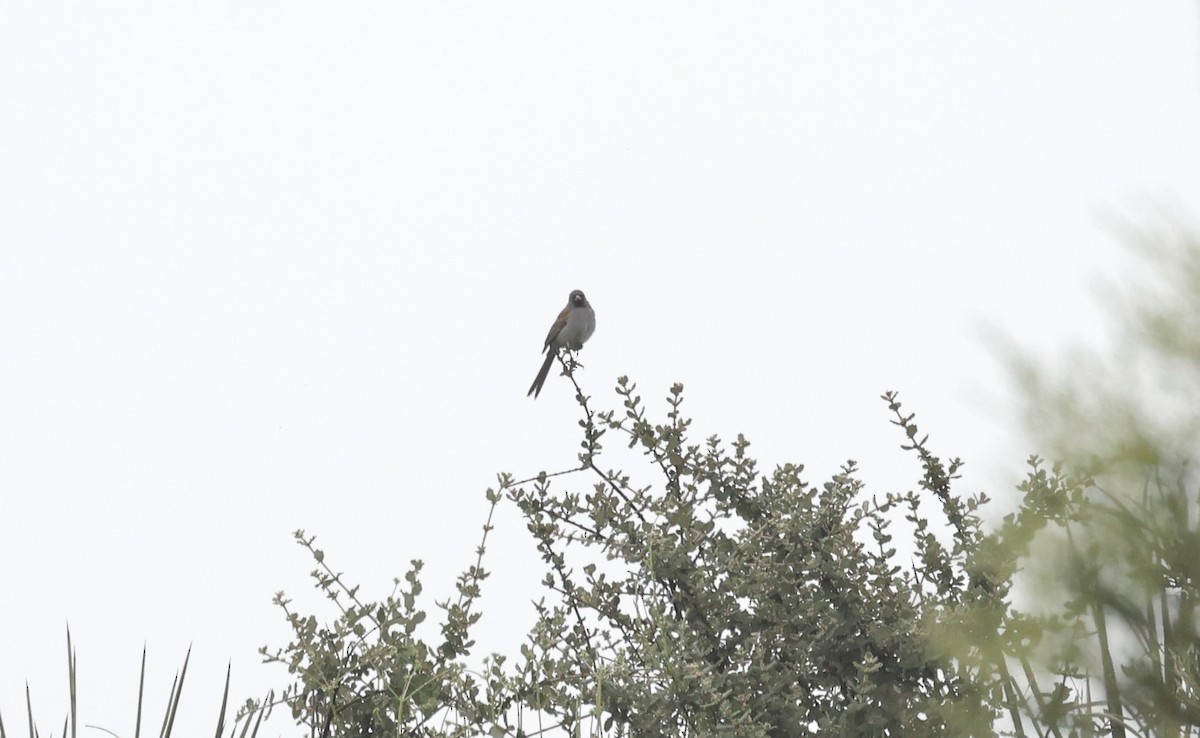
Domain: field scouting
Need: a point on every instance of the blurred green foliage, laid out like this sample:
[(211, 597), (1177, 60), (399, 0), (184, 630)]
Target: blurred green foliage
[(1113, 563)]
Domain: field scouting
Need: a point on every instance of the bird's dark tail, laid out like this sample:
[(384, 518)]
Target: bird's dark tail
[(535, 389)]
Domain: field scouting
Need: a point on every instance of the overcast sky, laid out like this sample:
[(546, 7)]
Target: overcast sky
[(290, 265)]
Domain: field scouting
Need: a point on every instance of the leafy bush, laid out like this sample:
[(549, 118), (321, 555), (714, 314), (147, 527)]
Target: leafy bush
[(720, 601)]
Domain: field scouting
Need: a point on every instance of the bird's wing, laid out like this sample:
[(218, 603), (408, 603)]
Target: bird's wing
[(557, 327)]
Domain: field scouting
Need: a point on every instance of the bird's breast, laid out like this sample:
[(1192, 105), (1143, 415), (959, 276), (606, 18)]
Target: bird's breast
[(580, 325)]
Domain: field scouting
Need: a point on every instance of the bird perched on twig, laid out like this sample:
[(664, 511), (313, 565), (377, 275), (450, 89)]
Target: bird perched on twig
[(574, 326)]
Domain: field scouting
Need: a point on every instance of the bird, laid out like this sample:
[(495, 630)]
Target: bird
[(573, 326)]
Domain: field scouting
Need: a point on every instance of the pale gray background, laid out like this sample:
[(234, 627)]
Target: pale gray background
[(290, 265)]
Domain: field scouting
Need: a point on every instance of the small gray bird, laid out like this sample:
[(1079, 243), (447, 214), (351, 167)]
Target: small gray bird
[(574, 326)]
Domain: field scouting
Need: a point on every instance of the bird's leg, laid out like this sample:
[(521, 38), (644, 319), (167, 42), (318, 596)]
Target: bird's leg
[(570, 361)]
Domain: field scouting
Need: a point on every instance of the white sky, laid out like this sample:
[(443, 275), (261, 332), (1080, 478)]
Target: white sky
[(291, 264)]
